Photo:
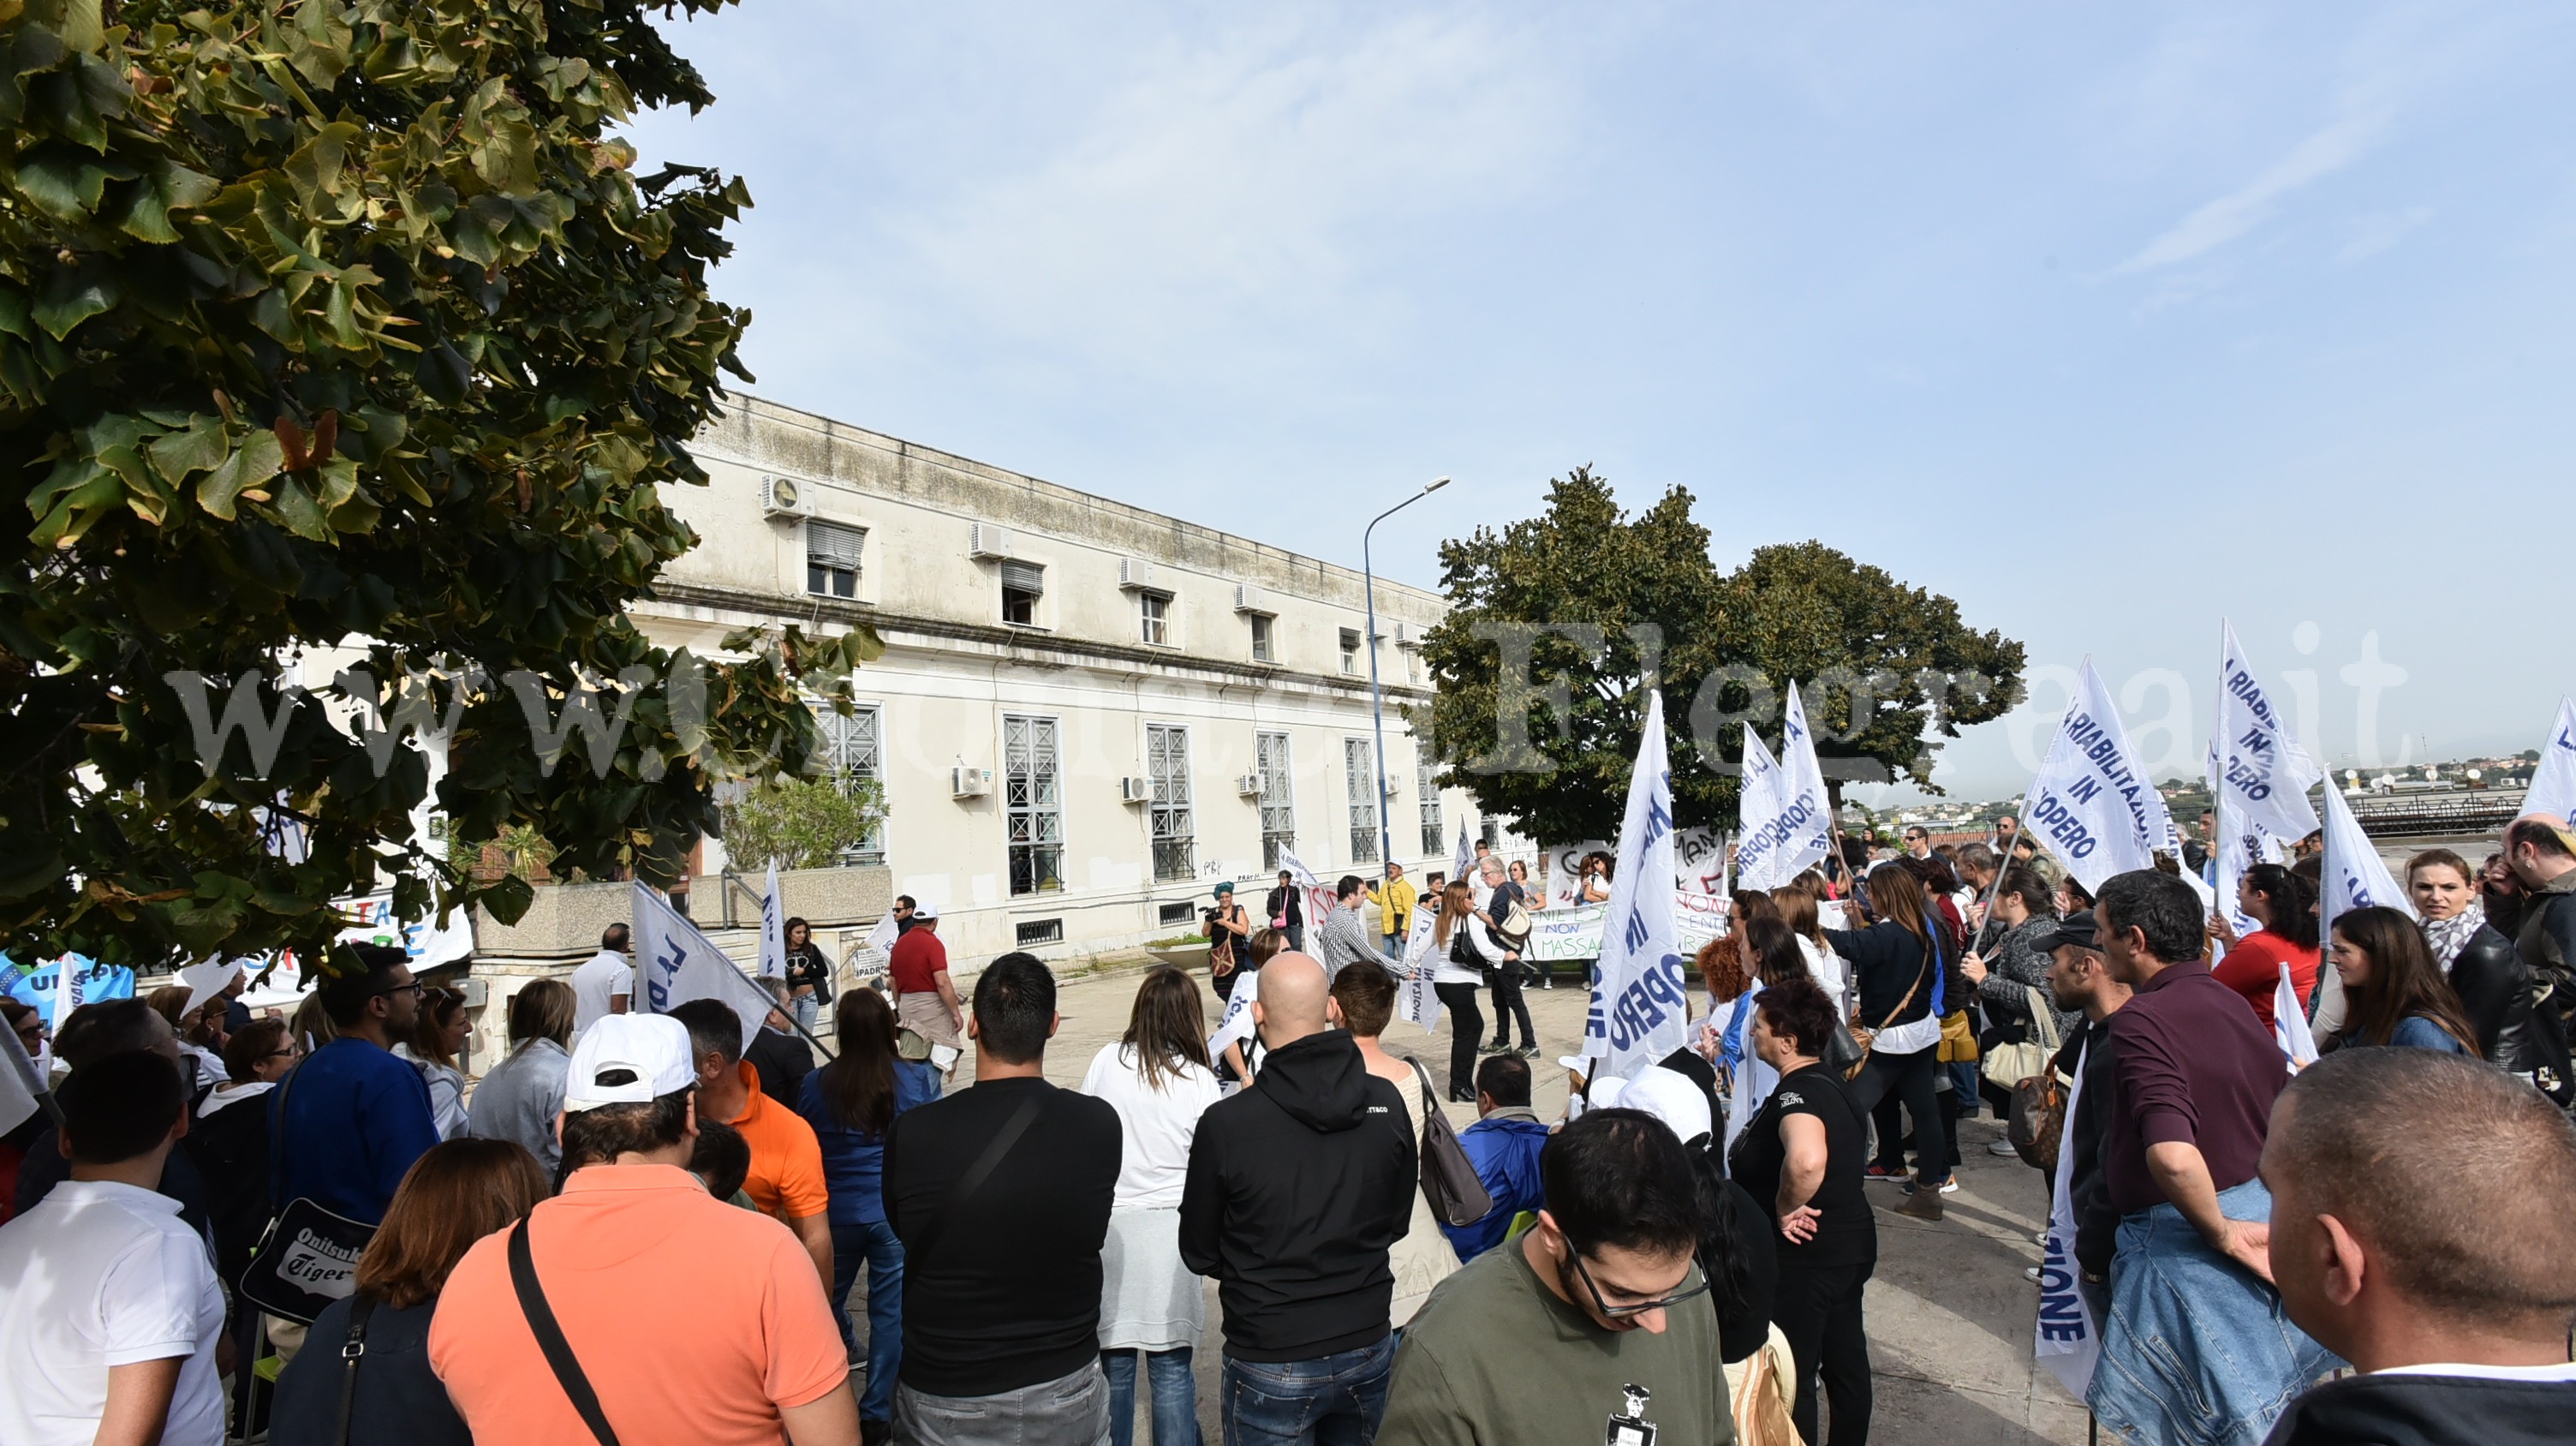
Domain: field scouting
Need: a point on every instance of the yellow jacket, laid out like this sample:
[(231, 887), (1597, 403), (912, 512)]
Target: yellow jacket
[(1394, 905)]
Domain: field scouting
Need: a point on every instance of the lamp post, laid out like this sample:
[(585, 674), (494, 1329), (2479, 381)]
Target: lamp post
[(1377, 700)]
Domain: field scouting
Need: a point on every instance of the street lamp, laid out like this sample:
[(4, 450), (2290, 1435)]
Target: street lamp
[(1377, 701)]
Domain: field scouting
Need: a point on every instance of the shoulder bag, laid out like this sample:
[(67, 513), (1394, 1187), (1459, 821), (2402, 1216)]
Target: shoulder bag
[(1862, 1035), (550, 1337), (2005, 1066), (308, 1257), (1449, 1179), (352, 1351)]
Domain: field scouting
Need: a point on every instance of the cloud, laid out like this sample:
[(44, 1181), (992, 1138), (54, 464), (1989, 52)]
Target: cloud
[(2240, 211), (2377, 232)]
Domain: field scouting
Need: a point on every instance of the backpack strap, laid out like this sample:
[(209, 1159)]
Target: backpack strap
[(352, 1351)]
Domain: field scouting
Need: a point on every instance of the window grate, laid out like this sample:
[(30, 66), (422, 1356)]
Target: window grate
[(1183, 912), (1167, 765), (1278, 797), (1359, 768), (1033, 932), (1032, 804)]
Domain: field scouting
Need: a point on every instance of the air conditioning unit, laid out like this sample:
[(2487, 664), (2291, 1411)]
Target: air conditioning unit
[(785, 497), (1406, 637), (1250, 599), (1135, 789), (966, 782), (1249, 785), (1135, 572), (983, 539)]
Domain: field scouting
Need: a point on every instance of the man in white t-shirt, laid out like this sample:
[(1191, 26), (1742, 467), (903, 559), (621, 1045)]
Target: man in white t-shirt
[(605, 983), (110, 1315)]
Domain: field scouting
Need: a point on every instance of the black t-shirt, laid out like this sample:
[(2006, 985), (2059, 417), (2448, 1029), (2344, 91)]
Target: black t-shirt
[(807, 968), (1846, 1235), (1008, 1295)]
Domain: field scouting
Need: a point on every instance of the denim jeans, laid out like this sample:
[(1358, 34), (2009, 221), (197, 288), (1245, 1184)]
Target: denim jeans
[(808, 1007), (873, 1242), (1071, 1410), (1176, 1396), (1394, 945), (1333, 1400)]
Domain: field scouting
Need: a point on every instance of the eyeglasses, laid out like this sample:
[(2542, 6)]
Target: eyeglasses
[(414, 989), (1623, 1312)]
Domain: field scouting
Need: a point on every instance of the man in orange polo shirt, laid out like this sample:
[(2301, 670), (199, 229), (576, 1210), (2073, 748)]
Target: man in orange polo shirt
[(786, 1177)]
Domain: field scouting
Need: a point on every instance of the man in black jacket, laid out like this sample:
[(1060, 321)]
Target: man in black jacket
[(2542, 854), (2079, 978), (2420, 1230), (1296, 1188)]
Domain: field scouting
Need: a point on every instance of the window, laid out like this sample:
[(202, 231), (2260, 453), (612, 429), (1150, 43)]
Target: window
[(1023, 583), (1154, 617), (832, 559), (1261, 637), (1167, 764), (1362, 773), (1278, 797), (1183, 912), (1033, 804), (852, 751), (1424, 767), (1033, 932), (1350, 650), (1491, 832)]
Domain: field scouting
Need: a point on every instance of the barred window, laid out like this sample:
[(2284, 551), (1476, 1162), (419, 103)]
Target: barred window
[(1167, 764), (1033, 803), (1358, 764), (1278, 797)]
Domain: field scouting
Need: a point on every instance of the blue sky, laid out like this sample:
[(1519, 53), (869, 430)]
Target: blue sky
[(2106, 323)]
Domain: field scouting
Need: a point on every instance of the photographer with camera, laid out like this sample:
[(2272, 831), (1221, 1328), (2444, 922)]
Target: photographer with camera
[(1226, 927)]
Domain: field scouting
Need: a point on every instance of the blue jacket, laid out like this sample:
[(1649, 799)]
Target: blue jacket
[(1504, 1147), (348, 1122), (853, 1159)]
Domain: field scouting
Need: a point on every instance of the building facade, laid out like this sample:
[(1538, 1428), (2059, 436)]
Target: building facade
[(1086, 713)]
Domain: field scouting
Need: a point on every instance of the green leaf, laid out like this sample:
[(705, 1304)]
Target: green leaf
[(506, 157), (71, 297), (201, 448), (295, 507), (314, 169), (258, 459), (63, 183), (508, 898)]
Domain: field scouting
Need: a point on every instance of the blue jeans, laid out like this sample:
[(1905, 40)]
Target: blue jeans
[(1332, 1400), (1394, 945), (875, 1243), (1176, 1396), (807, 1007)]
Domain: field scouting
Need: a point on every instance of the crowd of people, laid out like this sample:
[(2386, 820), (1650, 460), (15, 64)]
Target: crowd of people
[(643, 1227)]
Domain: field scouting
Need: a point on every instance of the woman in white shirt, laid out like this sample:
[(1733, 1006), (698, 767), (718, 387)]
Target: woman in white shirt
[(1159, 1080), (432, 1049), (1798, 910), (1459, 957)]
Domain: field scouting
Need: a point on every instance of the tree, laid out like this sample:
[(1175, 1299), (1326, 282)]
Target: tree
[(345, 320), (803, 823)]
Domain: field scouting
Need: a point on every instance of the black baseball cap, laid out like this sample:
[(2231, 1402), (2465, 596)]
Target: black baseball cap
[(2076, 929)]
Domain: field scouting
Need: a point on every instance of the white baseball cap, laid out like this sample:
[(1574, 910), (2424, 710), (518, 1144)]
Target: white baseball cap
[(629, 1059), (1678, 1102), (924, 910)]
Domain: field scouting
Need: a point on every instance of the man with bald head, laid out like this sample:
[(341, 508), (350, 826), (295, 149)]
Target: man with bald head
[(2421, 1230), (1297, 1186)]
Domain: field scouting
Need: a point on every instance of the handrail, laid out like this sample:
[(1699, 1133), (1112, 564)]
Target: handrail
[(728, 881)]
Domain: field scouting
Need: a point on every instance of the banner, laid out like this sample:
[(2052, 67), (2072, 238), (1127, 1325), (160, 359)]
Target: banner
[(1565, 872), (1761, 796), (1558, 935), (2066, 1338), (2354, 877), (2262, 769), (1463, 866), (1699, 861), (428, 942), (42, 987), (2092, 805), (1415, 1000), (1640, 1011), (676, 962), (2553, 783), (1318, 897), (1809, 810), (1235, 1026), (773, 929)]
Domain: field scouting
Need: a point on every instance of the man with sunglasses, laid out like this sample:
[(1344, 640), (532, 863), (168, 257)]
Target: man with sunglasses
[(353, 1117), (1591, 1325)]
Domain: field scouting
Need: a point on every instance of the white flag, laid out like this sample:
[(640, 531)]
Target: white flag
[(1236, 1024), (1318, 898), (2067, 1339), (2261, 767), (1415, 1000), (2553, 783), (1788, 823), (2092, 805), (888, 929), (203, 980), (2353, 877), (1758, 805), (1640, 1010), (1466, 860), (773, 929), (2290, 1024), (676, 962)]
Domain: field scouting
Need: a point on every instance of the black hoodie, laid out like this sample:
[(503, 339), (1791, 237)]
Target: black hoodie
[(1297, 1186), (2411, 1410)]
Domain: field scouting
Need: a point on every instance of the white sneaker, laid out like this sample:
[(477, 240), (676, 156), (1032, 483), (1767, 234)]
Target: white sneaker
[(2003, 1148)]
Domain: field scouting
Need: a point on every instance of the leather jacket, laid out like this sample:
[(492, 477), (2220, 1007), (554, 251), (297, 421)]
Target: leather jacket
[(2495, 985)]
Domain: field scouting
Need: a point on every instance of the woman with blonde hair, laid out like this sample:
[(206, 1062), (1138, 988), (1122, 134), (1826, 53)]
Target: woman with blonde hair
[(1460, 955), (519, 1098)]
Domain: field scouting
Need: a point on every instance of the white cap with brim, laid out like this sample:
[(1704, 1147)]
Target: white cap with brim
[(1672, 1098), (925, 911), (629, 1059)]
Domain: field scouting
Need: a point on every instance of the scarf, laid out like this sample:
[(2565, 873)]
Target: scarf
[(2447, 937)]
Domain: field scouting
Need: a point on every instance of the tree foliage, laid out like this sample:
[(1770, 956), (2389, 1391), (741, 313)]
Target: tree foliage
[(803, 823), (331, 320), (1555, 623)]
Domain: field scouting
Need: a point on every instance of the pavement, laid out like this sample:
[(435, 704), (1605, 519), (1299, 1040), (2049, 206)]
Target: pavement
[(1949, 1311)]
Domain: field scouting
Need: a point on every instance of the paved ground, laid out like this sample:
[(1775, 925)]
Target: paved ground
[(1949, 1311)]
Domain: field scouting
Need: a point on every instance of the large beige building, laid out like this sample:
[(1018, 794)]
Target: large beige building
[(1086, 713)]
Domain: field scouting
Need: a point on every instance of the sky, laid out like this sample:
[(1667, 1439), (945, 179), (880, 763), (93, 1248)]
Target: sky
[(2108, 322)]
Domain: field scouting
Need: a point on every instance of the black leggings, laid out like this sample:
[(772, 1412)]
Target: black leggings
[(1508, 1004), (1466, 1031), (1817, 1307), (1909, 1078)]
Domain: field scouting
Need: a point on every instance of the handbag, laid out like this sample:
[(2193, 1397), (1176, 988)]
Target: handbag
[(308, 1257), (2035, 1119), (352, 1351), (2007, 1065), (1449, 1181), (1863, 1037), (1760, 1408)]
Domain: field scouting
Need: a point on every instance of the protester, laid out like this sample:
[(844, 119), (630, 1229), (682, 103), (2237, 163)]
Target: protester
[(2285, 905), (1584, 1327), (852, 1103), (1297, 1187), (519, 1098), (605, 982), (904, 905), (2017, 962), (1726, 971), (633, 1255), (437, 1035), (2517, 1027), (1159, 1080), (1459, 959), (1343, 939), (1228, 930), (2541, 854), (1504, 1146), (1504, 974), (1363, 1002), (2080, 979), (369, 1380), (1394, 898), (110, 1312), (1285, 911), (1898, 978), (229, 1144), (2196, 1349), (779, 1056), (2393, 991), (1002, 1281), (808, 975), (925, 998), (1592, 878), (2433, 1258), (95, 1032), (351, 1119), (1801, 908), (786, 1179)]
